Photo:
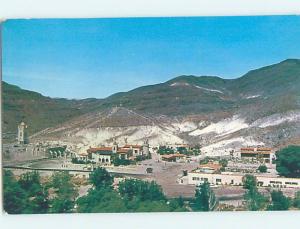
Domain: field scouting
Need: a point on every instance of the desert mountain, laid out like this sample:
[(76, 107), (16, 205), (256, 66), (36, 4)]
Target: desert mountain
[(261, 107)]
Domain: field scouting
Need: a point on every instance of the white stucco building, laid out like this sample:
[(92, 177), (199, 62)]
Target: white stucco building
[(197, 177)]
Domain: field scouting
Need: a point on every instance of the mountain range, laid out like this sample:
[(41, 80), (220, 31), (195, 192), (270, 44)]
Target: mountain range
[(261, 107)]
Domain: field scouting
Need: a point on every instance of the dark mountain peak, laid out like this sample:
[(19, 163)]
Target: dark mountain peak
[(290, 61)]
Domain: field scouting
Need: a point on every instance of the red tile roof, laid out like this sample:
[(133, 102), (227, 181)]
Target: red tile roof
[(122, 150), (93, 150), (133, 146), (211, 166), (247, 149)]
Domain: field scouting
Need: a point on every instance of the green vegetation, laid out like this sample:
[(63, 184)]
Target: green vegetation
[(142, 157), (205, 199), (296, 202), (14, 201), (120, 161), (223, 163), (65, 193), (36, 196), (142, 190), (255, 200), (279, 201), (132, 196), (288, 161), (100, 178), (29, 196), (262, 169), (163, 150), (75, 160)]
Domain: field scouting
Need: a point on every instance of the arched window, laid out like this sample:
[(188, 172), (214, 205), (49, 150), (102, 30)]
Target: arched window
[(106, 159), (103, 160)]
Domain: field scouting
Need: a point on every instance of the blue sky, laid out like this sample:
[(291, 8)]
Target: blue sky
[(81, 58)]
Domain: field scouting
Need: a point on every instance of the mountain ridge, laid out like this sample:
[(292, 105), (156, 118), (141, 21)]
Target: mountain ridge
[(256, 94)]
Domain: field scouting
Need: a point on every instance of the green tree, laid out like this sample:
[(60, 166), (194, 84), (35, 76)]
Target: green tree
[(36, 195), (288, 161), (255, 200), (297, 200), (100, 178), (262, 169), (279, 201), (65, 193), (101, 200), (249, 182), (177, 205), (14, 201), (142, 190), (205, 199), (223, 163)]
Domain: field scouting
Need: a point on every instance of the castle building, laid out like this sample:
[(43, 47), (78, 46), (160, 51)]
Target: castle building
[(21, 133)]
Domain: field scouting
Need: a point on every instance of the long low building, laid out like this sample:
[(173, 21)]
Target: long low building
[(197, 177)]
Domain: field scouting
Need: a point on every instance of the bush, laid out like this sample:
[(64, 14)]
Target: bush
[(262, 169), (118, 161), (143, 157), (297, 200), (279, 202), (100, 178)]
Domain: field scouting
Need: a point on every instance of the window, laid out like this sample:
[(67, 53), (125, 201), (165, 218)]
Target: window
[(218, 180)]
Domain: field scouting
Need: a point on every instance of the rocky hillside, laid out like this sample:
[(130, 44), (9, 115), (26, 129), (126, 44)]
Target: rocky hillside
[(261, 107)]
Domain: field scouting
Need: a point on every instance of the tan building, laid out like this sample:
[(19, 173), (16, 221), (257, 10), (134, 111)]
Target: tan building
[(100, 155), (177, 157), (136, 149), (209, 168), (260, 153)]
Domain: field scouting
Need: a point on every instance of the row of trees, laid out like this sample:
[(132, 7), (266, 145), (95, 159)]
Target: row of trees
[(132, 195), (59, 195), (28, 195), (165, 150)]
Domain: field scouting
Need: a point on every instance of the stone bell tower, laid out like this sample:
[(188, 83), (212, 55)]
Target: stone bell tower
[(115, 146), (21, 133), (146, 147)]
